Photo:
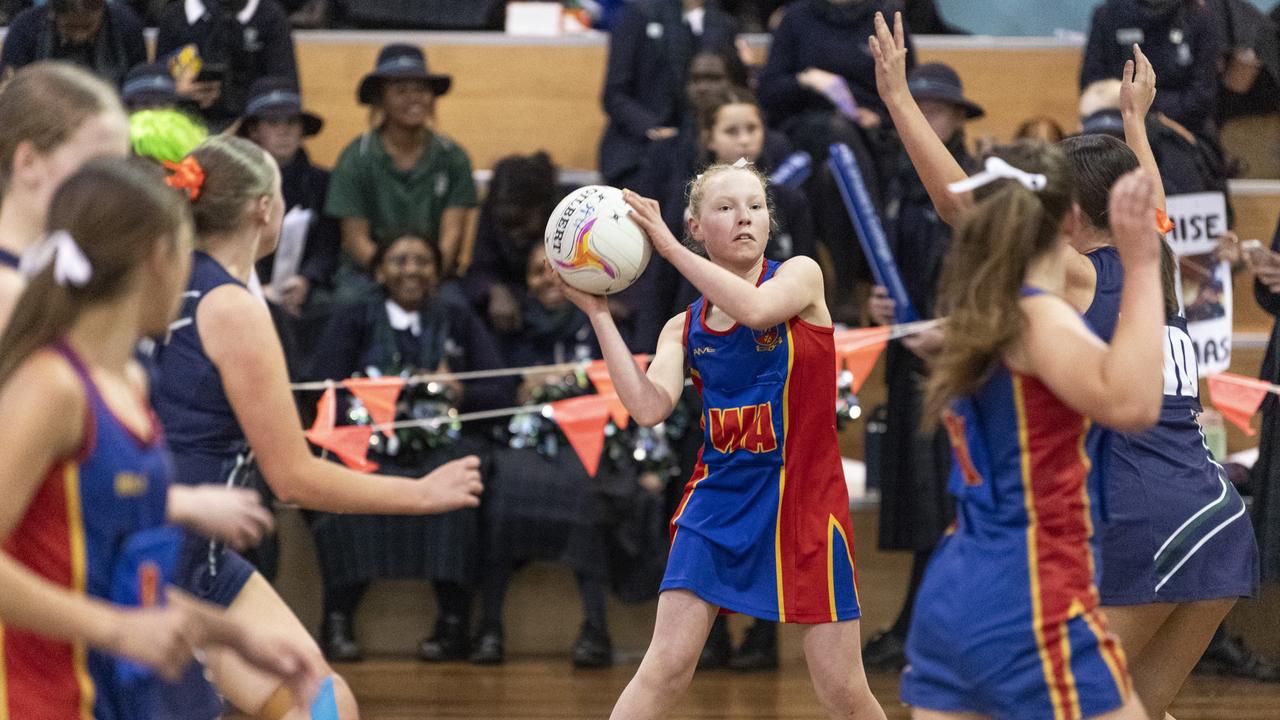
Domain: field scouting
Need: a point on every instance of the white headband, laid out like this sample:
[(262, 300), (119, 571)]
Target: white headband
[(69, 263), (997, 169)]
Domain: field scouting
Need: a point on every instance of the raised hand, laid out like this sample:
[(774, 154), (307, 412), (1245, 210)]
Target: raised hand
[(451, 486), (1133, 216), (648, 215), (890, 51), (1137, 85)]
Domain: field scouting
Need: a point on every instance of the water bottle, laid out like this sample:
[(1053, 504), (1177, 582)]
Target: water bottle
[(1215, 433)]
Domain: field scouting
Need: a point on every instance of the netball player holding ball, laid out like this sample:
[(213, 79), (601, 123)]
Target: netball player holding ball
[(763, 527)]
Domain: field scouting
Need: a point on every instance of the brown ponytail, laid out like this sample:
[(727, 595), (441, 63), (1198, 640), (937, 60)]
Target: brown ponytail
[(982, 277), (235, 173), (116, 210), (44, 104)]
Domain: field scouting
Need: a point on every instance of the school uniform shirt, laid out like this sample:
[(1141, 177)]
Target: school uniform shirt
[(650, 49), (254, 43), (1181, 43), (819, 34), (366, 184), (117, 46), (382, 335)]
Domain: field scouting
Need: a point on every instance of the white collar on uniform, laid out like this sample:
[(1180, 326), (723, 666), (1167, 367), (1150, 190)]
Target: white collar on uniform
[(697, 19), (402, 319), (196, 10)]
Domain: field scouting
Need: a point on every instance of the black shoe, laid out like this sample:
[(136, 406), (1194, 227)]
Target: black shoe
[(487, 649), (337, 640), (593, 649), (448, 642), (887, 652), (1227, 655), (759, 649), (715, 654)]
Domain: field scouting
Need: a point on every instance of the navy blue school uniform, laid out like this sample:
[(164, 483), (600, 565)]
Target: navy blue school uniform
[(1180, 40), (544, 505), (355, 549), (650, 49), (87, 529), (208, 448), (1020, 551), (1174, 529)]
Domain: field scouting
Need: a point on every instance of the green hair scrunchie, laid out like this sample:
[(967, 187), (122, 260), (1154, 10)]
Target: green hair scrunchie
[(165, 134)]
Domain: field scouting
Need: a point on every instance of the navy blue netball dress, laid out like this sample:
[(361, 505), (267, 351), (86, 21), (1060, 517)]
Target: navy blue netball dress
[(208, 448), (1176, 530)]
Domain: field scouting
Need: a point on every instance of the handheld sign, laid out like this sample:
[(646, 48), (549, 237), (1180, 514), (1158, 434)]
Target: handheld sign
[(844, 167), (1203, 281)]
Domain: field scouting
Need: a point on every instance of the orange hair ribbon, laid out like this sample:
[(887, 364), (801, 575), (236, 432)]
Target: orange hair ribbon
[(187, 175), (1163, 223)]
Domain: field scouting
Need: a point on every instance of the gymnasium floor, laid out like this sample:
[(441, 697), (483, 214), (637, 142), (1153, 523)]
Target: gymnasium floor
[(545, 689)]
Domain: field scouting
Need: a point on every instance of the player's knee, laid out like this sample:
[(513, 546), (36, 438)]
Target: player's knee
[(670, 669)]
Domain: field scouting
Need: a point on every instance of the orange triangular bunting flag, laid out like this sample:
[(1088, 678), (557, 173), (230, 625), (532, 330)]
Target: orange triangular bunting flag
[(379, 396), (1237, 397), (350, 443), (326, 414), (598, 374), (858, 350), (582, 420)]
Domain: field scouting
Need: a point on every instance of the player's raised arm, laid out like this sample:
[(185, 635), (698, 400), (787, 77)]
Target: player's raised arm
[(649, 397), (935, 164)]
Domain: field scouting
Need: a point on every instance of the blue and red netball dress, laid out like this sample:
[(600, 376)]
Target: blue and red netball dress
[(763, 527), (87, 528), (1007, 622)]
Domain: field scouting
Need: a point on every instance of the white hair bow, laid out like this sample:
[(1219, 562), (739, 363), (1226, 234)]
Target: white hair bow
[(996, 169), (69, 262)]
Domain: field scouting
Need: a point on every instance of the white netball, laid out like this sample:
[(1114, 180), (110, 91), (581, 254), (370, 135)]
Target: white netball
[(593, 243)]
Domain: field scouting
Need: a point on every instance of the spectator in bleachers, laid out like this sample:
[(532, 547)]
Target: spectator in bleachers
[(539, 503), (150, 86), (818, 86), (521, 196), (650, 50), (1180, 38), (105, 38), (915, 505), (1187, 164), (1040, 128), (406, 327), (1248, 110), (275, 120), (238, 41), (402, 176)]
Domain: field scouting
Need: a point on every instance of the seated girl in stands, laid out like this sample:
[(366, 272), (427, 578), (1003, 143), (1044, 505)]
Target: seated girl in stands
[(404, 329), (542, 505)]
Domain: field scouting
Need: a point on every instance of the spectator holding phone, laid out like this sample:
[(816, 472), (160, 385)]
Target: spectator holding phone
[(238, 41)]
